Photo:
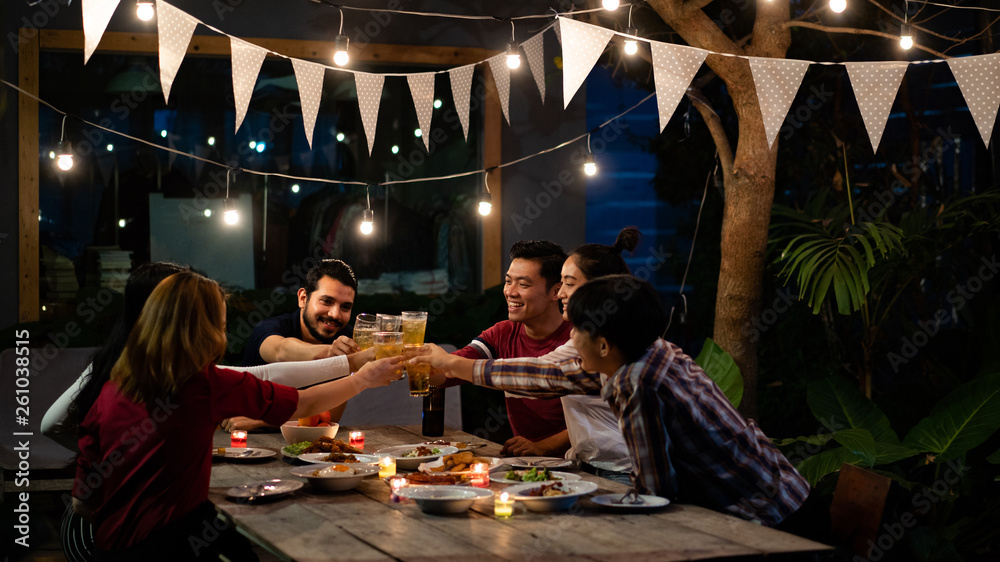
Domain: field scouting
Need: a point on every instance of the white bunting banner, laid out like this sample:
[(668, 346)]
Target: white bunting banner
[(501, 77), (674, 67), (175, 30), (534, 52), (461, 91), (422, 92), (369, 97), (96, 15), (777, 81), (247, 59), (979, 79), (875, 85), (309, 77), (582, 45)]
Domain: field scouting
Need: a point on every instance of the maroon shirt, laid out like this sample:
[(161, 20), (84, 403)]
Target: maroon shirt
[(144, 466), (533, 419)]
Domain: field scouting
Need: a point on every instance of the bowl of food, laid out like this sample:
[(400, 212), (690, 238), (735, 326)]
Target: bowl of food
[(334, 477), (444, 499), (409, 457), (294, 431), (550, 497)]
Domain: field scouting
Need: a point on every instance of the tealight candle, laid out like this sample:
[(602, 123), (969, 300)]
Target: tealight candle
[(480, 476), (386, 467), (503, 506), (358, 439), (396, 484), (238, 439)]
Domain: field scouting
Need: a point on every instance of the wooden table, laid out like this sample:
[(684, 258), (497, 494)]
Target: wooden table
[(363, 524)]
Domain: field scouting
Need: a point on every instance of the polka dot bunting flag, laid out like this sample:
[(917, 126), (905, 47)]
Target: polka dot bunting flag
[(309, 76), (501, 77), (461, 87), (979, 79), (422, 91), (674, 66), (776, 81), (369, 98), (96, 15), (534, 52), (175, 29), (247, 59), (875, 85), (582, 45)]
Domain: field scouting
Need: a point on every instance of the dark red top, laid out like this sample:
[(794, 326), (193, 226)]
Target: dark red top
[(144, 466), (531, 418)]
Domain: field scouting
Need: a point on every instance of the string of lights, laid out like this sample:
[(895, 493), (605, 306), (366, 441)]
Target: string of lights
[(956, 7), (458, 16)]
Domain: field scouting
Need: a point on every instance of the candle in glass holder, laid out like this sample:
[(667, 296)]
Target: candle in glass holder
[(503, 506), (396, 484), (480, 476), (357, 439), (238, 439), (386, 467)]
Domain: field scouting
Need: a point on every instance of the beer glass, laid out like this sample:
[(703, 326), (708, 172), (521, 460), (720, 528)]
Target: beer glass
[(389, 344), (388, 322), (414, 326), (365, 326), (419, 375)]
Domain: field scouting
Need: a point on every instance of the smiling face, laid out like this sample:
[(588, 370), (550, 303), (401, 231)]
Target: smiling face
[(524, 289), (326, 311), (572, 278), (590, 351)]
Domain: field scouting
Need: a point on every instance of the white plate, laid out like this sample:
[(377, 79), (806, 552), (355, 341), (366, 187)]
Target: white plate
[(649, 502), (334, 481), (264, 489), (317, 458), (498, 476), (551, 503), (427, 466), (531, 462), (244, 454), (411, 463), (444, 499)]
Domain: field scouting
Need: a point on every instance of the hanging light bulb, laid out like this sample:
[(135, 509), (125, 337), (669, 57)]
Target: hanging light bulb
[(229, 212), (64, 156), (513, 56), (589, 165), (367, 222), (144, 10), (610, 5), (838, 6), (340, 45), (906, 36), (631, 45), (485, 204)]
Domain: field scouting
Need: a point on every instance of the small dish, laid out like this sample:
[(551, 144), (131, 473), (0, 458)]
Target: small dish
[(500, 477), (265, 489), (551, 503), (411, 463), (325, 478), (294, 433), (429, 467), (444, 499), (612, 501), (242, 453), (317, 458), (545, 462)]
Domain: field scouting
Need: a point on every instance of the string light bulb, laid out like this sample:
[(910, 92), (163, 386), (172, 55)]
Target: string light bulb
[(838, 6), (631, 45), (513, 53), (906, 36), (64, 153), (144, 10), (610, 5), (340, 45), (486, 200), (229, 213), (368, 215), (589, 164)]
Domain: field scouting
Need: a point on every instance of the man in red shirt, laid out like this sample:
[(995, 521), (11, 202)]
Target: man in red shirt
[(535, 326)]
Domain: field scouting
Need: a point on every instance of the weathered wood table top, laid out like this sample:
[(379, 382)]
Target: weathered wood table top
[(364, 524)]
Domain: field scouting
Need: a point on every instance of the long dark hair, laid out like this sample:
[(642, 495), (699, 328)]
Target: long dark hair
[(138, 287), (598, 260)]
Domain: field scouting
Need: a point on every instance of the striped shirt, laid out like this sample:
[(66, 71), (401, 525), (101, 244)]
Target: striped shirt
[(684, 438)]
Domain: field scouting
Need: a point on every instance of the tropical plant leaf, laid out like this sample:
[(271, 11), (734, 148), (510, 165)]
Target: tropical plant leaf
[(994, 458), (819, 440), (838, 405), (860, 442), (886, 453), (816, 467), (963, 419), (720, 367)]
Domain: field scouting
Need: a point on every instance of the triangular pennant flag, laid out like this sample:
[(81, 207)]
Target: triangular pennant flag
[(777, 81), (534, 52), (501, 77), (96, 15), (175, 29), (558, 31), (422, 91), (582, 45), (875, 86), (247, 59), (369, 97), (979, 79), (461, 88), (309, 77), (674, 66)]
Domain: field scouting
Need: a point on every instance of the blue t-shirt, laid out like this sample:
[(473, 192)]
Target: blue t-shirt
[(287, 326)]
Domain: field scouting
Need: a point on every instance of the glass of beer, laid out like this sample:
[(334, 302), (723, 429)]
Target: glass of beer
[(388, 322), (419, 375), (389, 344), (414, 326), (365, 326)]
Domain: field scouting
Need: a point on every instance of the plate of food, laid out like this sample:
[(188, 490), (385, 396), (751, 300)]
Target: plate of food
[(345, 458), (321, 445), (264, 489), (242, 453), (409, 457), (536, 475), (618, 502), (460, 445), (444, 499), (432, 479), (459, 463), (551, 497), (334, 477), (532, 462)]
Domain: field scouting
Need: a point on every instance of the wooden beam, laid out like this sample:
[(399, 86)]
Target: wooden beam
[(28, 304), (493, 251)]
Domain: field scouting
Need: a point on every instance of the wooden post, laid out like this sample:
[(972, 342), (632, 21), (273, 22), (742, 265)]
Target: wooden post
[(28, 305), (493, 251)]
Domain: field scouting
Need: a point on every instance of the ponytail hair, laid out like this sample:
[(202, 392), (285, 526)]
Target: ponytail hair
[(598, 260)]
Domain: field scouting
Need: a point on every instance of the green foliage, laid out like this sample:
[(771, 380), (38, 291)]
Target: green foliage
[(837, 404), (720, 367), (961, 421)]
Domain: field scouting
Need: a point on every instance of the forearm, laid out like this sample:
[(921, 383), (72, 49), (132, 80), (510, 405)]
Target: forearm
[(327, 396), (277, 349), (554, 445), (301, 373), (536, 377)]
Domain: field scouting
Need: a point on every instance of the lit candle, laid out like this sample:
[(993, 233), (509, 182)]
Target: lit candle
[(386, 467), (358, 439), (239, 438), (396, 484), (503, 507), (480, 476)]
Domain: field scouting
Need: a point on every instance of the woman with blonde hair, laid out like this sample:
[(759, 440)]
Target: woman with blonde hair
[(145, 444)]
